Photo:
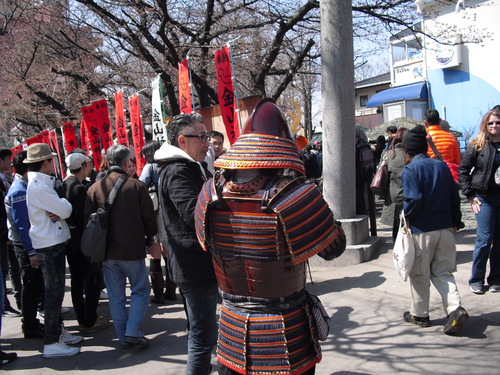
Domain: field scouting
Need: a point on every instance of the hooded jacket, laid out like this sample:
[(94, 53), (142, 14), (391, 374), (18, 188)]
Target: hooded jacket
[(181, 180)]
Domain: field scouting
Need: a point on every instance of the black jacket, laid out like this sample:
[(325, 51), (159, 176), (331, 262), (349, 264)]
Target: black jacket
[(180, 183), (477, 182)]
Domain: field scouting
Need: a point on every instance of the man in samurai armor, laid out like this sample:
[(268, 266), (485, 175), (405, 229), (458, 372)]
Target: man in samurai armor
[(261, 220)]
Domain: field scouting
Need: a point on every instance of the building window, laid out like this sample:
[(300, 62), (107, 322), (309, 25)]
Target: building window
[(363, 100)]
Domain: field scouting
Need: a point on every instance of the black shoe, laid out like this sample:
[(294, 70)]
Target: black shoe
[(421, 322), (456, 320), (33, 333), (7, 357), (11, 312), (139, 341)]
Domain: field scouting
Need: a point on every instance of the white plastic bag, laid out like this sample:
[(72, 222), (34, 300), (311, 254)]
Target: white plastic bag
[(404, 249)]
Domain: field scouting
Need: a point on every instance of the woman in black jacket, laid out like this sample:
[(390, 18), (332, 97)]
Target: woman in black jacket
[(479, 179)]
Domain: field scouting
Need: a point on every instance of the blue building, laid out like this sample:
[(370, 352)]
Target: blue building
[(450, 61)]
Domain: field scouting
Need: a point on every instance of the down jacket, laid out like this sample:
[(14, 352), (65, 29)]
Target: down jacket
[(446, 144)]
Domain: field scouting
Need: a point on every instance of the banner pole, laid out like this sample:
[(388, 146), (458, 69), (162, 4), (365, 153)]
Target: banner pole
[(235, 86), (193, 108)]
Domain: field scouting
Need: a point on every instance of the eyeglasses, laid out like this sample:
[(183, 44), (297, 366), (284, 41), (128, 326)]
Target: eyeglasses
[(203, 137), (493, 123)]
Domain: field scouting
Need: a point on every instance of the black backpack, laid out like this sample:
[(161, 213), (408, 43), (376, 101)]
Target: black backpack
[(365, 160)]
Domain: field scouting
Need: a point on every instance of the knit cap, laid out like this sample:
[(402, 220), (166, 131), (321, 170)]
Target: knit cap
[(415, 141)]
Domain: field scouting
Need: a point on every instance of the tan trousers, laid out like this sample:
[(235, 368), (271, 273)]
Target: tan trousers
[(435, 260)]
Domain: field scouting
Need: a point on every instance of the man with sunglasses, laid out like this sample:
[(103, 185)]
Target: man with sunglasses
[(182, 176)]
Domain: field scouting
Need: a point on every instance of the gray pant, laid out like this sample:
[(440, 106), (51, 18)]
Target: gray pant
[(435, 260)]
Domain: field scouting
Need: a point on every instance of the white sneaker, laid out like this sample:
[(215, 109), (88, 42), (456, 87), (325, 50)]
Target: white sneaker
[(68, 338), (59, 349)]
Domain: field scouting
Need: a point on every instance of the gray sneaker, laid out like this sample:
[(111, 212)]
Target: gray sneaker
[(494, 288), (476, 288), (59, 349), (68, 338)]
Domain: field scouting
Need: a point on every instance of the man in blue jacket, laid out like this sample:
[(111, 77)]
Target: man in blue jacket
[(432, 207), (19, 226)]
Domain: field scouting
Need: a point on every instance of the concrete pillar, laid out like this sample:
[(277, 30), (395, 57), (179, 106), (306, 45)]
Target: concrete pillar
[(337, 87)]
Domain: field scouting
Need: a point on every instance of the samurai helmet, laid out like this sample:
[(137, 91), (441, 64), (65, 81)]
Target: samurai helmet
[(266, 142)]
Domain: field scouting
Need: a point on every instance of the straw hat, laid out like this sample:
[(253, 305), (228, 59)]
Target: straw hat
[(38, 152)]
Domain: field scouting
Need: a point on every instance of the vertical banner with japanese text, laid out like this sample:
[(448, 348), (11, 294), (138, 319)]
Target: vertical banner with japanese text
[(36, 139), (17, 149), (103, 123), (89, 119), (84, 136), (185, 99), (158, 129), (120, 123), (69, 136), (45, 136), (54, 145), (137, 131), (226, 95)]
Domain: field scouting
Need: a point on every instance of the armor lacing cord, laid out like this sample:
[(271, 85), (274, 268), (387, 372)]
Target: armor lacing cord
[(263, 305)]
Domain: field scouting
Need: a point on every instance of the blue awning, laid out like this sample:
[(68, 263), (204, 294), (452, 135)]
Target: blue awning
[(407, 92)]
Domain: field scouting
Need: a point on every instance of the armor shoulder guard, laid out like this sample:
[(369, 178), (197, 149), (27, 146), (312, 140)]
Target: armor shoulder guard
[(306, 218), (205, 198)]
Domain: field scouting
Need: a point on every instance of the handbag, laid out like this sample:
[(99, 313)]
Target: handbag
[(93, 243), (380, 181), (404, 249), (320, 316)]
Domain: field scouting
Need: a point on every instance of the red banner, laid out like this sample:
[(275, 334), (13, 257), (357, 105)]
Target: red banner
[(84, 137), (225, 91), (69, 135), (36, 139), (120, 124), (17, 149), (45, 136), (89, 119), (137, 131), (54, 145), (103, 123), (185, 102)]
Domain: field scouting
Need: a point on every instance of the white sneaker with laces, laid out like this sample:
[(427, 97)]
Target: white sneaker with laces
[(68, 338), (59, 349)]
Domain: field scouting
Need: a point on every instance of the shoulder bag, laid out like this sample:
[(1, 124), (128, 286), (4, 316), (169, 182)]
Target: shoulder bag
[(93, 243), (404, 249)]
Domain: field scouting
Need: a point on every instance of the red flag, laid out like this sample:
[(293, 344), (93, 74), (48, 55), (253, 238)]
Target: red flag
[(39, 138), (54, 145), (137, 131), (84, 137), (120, 124), (103, 123), (185, 102), (89, 119), (225, 91), (70, 141), (45, 136), (17, 149)]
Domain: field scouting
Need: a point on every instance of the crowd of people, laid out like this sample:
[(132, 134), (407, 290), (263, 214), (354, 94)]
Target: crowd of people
[(198, 206)]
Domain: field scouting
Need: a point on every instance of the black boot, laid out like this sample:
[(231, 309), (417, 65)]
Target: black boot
[(157, 285)]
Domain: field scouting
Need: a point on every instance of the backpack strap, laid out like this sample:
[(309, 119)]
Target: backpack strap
[(118, 185)]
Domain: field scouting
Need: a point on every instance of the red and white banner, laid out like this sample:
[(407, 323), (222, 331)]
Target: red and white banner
[(225, 91), (185, 99), (45, 136), (90, 120), (158, 126), (69, 136), (103, 123), (120, 123), (137, 131), (36, 139)]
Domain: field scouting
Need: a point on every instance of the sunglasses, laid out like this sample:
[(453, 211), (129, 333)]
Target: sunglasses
[(203, 137), (494, 123)]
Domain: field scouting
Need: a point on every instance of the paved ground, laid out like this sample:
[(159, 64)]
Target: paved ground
[(368, 336)]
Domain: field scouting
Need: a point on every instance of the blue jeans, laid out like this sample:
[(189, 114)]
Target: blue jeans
[(487, 243), (53, 264), (116, 273), (201, 310)]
